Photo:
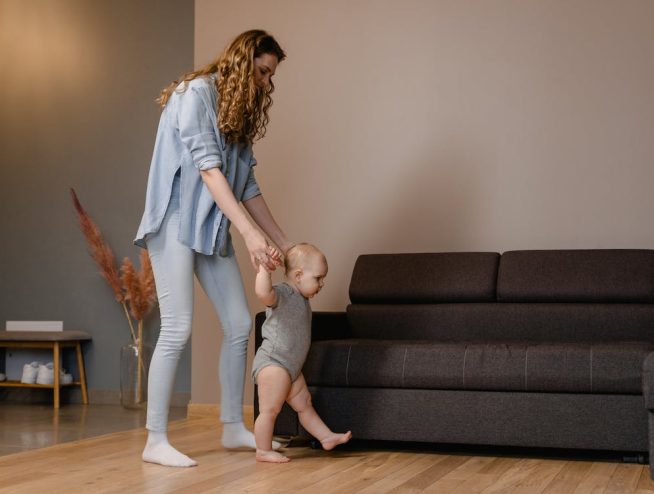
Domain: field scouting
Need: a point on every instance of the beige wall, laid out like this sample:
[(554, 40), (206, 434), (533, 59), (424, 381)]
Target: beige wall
[(404, 126)]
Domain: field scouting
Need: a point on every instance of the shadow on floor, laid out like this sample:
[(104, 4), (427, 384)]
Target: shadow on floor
[(482, 450)]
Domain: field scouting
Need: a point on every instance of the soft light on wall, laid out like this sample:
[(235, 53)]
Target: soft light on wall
[(46, 53)]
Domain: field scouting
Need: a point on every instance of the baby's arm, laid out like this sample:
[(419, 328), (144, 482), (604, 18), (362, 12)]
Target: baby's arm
[(263, 287)]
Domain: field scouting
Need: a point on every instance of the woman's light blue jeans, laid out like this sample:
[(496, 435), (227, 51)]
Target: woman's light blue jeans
[(174, 264)]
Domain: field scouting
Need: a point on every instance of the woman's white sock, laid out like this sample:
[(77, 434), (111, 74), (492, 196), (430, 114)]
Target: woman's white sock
[(235, 435), (158, 450)]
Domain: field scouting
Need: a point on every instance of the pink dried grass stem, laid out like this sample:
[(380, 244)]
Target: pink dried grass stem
[(98, 248)]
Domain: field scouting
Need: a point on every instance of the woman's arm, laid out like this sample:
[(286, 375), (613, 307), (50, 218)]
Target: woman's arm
[(260, 213), (222, 193)]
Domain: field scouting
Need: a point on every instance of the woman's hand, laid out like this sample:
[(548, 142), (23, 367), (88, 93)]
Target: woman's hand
[(275, 257), (259, 250)]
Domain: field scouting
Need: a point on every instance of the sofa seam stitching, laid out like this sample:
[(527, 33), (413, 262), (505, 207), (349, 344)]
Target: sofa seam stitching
[(347, 366), (591, 368), (406, 349), (526, 356), (463, 376)]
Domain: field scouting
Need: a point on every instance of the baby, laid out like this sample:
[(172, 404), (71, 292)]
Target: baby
[(278, 363)]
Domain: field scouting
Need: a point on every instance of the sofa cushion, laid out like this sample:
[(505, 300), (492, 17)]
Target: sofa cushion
[(576, 276), (424, 278), (648, 381), (613, 368)]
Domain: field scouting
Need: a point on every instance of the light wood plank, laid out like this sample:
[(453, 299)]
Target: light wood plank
[(445, 475), (318, 469), (377, 466), (596, 479), (570, 476), (645, 483), (389, 482), (539, 478), (624, 479), (306, 472), (485, 477), (453, 480), (525, 475)]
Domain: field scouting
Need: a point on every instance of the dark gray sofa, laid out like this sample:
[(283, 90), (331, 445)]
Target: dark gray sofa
[(527, 348)]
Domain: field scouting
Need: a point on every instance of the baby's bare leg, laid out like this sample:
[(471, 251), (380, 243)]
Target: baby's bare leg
[(273, 384), (300, 399)]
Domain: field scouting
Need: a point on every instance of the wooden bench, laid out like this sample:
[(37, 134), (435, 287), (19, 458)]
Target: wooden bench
[(56, 341)]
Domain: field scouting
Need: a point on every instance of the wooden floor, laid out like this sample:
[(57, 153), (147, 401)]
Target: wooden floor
[(24, 427), (111, 463)]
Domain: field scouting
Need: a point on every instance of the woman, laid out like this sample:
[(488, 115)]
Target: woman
[(202, 166)]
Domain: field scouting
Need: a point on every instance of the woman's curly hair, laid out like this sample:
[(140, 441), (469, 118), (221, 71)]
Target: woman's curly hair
[(242, 105)]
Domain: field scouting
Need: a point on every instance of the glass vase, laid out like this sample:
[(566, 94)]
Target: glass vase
[(134, 365)]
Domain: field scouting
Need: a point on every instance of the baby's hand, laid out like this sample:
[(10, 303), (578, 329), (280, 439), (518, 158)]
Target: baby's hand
[(275, 255)]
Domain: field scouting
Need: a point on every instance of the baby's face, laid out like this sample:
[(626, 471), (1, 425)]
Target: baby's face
[(312, 276)]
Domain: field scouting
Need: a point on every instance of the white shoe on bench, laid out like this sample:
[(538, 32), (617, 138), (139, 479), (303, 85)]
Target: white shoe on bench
[(30, 371), (45, 374)]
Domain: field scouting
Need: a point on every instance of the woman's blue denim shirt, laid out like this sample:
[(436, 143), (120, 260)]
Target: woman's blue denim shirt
[(188, 140)]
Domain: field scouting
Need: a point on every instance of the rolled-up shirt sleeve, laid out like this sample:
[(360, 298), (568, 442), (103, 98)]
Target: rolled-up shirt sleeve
[(196, 130), (251, 187)]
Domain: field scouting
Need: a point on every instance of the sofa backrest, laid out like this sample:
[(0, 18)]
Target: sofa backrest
[(424, 278), (585, 295), (576, 276)]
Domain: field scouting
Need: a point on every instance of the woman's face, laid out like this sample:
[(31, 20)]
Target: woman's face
[(264, 69)]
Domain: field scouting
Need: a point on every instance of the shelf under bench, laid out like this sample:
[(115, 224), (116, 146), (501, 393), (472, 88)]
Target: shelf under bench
[(56, 341)]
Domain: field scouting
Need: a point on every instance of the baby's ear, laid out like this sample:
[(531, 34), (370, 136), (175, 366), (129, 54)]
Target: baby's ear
[(298, 273)]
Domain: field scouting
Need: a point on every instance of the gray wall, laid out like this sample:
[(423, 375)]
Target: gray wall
[(79, 79)]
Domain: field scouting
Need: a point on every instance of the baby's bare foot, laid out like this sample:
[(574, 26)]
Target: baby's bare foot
[(271, 456), (330, 442)]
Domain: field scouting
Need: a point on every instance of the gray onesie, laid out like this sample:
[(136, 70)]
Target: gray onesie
[(286, 333)]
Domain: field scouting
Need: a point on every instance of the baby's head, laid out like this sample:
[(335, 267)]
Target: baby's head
[(306, 268)]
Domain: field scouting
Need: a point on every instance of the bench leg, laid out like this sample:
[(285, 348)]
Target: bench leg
[(82, 375), (650, 420), (56, 364)]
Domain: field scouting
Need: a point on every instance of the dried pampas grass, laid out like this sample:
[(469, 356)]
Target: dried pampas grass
[(146, 278), (98, 248), (134, 290)]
